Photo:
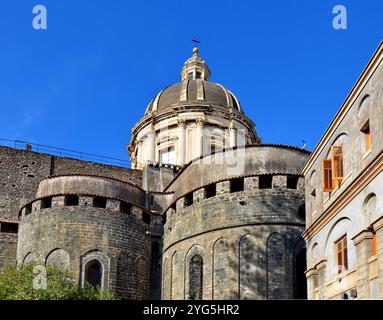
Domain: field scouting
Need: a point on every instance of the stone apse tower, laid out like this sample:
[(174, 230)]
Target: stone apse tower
[(205, 212), (233, 211)]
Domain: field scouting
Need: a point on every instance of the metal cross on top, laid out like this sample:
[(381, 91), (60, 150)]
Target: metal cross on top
[(196, 42)]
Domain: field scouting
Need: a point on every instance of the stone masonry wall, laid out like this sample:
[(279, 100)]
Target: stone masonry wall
[(20, 173), (247, 241), (119, 239), (8, 245), (73, 166)]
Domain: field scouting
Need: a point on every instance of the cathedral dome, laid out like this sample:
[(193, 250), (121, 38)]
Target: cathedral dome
[(195, 89), (189, 119), (195, 92)]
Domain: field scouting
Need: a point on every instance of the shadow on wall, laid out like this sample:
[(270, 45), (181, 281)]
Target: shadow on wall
[(272, 258), (261, 268), (266, 262)]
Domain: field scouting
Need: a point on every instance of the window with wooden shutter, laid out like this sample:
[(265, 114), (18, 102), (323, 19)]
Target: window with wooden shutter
[(367, 136), (327, 175), (374, 244), (345, 255), (341, 254), (337, 163), (368, 140)]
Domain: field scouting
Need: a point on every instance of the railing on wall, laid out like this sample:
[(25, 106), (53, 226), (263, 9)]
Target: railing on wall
[(61, 152)]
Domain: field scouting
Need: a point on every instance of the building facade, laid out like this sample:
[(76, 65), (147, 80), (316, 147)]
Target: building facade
[(344, 194), (205, 212)]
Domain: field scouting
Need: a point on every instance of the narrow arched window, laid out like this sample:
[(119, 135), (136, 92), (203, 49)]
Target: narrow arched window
[(196, 278), (93, 273)]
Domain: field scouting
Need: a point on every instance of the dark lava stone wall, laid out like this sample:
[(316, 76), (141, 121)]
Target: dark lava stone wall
[(65, 235), (8, 245), (20, 173), (73, 166), (249, 240)]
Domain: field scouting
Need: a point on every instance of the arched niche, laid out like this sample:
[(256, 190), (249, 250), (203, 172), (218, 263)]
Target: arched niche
[(58, 257), (276, 266), (94, 273), (369, 204), (364, 107), (92, 263), (195, 273)]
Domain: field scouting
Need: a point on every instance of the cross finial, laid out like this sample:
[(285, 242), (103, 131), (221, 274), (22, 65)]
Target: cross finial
[(195, 67), (196, 42)]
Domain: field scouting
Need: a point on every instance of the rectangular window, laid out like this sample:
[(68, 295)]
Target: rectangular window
[(327, 175), (236, 185), (99, 202), (188, 199), (71, 200), (125, 207), (46, 203), (292, 182), (332, 169), (374, 244), (265, 182), (341, 254), (168, 155), (198, 75), (337, 163), (210, 191), (367, 136), (146, 217), (9, 227)]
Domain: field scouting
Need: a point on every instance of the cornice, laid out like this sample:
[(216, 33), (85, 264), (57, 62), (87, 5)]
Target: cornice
[(99, 176), (256, 145), (207, 109)]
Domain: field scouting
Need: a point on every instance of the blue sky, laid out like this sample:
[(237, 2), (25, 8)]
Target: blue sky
[(86, 80)]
